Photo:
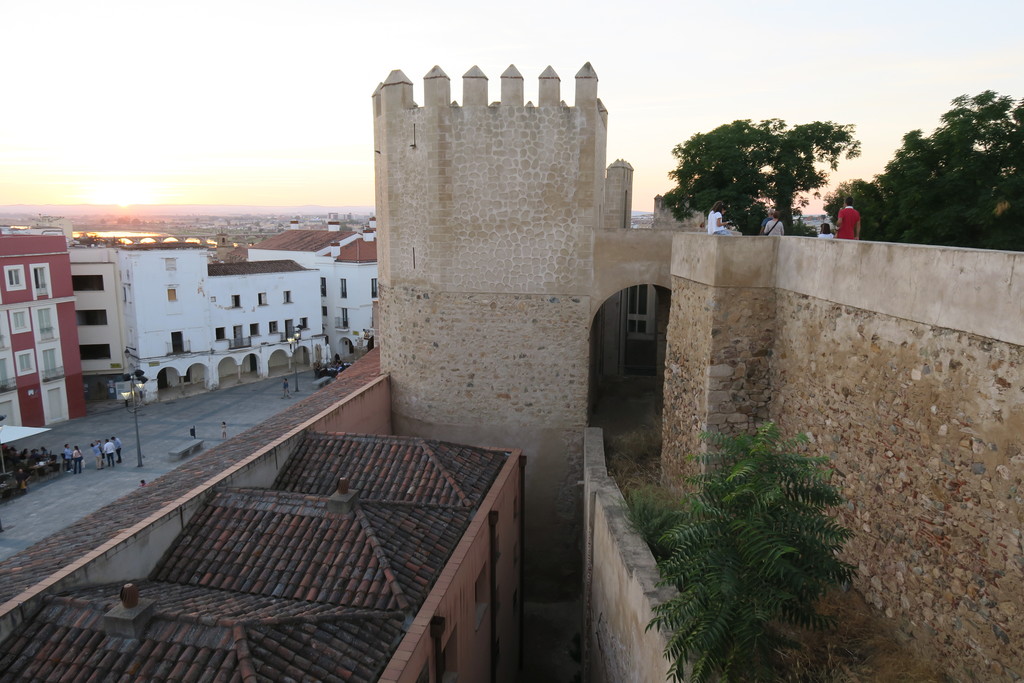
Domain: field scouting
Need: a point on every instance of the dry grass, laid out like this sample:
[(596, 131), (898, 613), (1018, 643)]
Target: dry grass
[(862, 648), (634, 458)]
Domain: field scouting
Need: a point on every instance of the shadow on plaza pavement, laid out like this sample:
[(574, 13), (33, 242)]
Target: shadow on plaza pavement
[(69, 499)]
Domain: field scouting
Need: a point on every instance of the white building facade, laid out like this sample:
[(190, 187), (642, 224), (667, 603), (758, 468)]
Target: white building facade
[(192, 323), (347, 266)]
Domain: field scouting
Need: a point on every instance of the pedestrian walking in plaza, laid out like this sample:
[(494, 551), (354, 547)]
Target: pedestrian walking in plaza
[(21, 476), (66, 453), (223, 430), (98, 452), (77, 458), (117, 446), (109, 451), (284, 389)]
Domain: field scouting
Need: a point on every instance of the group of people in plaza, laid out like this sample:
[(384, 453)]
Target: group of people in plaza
[(847, 223), (70, 460), (106, 453)]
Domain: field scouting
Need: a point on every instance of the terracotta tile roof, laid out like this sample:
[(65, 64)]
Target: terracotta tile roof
[(66, 641), (302, 240), (358, 251), (277, 584), (393, 469), (253, 267)]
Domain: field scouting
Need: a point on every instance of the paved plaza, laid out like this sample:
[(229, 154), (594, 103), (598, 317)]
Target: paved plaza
[(69, 499)]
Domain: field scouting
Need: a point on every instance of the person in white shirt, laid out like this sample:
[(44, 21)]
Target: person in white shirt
[(715, 224), (826, 232)]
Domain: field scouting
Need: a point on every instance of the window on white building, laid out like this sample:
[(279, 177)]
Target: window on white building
[(323, 286), (89, 316), (287, 296), (344, 318), (254, 329), (94, 351), (170, 264), (172, 294), (262, 298), (19, 321), (236, 301), (26, 363), (87, 283), (373, 287), (41, 279), (50, 364), (13, 275), (273, 327), (44, 318), (344, 288), (218, 333)]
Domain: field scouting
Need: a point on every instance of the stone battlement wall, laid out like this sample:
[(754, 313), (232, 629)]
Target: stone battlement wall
[(905, 365)]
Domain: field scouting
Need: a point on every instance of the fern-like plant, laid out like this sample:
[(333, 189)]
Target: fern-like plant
[(756, 546)]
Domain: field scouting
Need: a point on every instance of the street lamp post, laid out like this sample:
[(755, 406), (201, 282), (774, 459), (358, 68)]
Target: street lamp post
[(293, 341), (133, 391)]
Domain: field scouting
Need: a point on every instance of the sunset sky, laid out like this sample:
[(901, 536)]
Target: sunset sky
[(268, 103)]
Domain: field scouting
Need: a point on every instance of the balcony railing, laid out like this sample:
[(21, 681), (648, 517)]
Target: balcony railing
[(43, 291), (239, 342), (52, 373), (7, 384), (46, 333), (179, 349), (3, 341)]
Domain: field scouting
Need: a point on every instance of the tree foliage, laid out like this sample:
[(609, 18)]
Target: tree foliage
[(751, 166), (755, 546), (963, 185)]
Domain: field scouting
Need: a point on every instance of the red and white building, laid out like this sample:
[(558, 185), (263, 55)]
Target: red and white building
[(40, 369)]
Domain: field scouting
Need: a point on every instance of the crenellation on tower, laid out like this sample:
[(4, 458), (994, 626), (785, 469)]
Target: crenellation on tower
[(474, 88), (586, 86), (437, 88), (512, 87), (549, 89), (396, 92)]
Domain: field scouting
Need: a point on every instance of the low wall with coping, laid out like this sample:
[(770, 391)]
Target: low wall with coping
[(620, 584)]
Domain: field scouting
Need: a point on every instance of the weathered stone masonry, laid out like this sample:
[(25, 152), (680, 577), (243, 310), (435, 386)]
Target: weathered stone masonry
[(918, 405)]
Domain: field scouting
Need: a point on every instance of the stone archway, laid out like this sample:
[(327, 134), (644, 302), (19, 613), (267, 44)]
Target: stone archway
[(278, 363), (250, 368), (627, 357), (227, 369)]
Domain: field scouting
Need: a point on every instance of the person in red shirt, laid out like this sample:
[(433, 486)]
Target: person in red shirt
[(849, 222)]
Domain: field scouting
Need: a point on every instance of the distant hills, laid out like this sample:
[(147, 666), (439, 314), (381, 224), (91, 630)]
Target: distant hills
[(70, 210)]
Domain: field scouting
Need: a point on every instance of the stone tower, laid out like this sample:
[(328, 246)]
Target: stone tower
[(487, 220)]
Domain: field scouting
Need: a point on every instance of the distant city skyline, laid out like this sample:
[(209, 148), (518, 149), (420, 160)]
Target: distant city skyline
[(231, 103)]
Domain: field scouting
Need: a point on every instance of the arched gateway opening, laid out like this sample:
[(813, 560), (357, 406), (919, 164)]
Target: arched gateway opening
[(627, 352)]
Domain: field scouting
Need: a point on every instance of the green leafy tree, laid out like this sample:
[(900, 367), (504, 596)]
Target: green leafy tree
[(751, 166), (867, 199), (756, 546), (963, 185)]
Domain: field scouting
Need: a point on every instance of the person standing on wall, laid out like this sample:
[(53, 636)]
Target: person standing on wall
[(849, 222), (773, 226)]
